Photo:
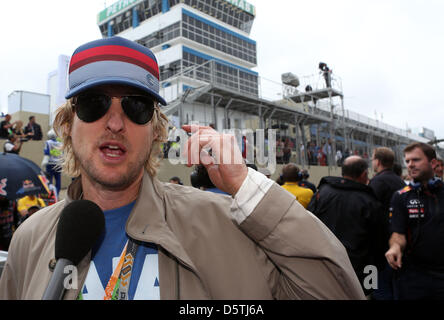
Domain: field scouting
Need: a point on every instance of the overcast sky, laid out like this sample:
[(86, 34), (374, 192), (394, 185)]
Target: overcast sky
[(388, 53)]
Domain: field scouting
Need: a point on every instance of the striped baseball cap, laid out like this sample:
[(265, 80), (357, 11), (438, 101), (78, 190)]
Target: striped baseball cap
[(113, 60)]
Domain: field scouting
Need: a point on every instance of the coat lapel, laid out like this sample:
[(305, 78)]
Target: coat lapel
[(147, 223)]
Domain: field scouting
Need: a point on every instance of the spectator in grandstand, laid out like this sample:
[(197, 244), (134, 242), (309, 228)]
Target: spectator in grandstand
[(327, 150), (291, 175), (311, 153), (12, 145), (279, 151), (6, 127), (384, 184), (304, 158), (338, 157), (18, 130), (350, 209), (33, 129), (288, 146), (322, 156)]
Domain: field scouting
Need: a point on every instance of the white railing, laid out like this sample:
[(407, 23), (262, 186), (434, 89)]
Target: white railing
[(214, 73)]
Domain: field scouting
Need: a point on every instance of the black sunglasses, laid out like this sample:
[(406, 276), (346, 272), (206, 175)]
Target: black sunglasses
[(91, 106)]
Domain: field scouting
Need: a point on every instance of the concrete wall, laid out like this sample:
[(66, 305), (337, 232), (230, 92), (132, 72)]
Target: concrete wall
[(168, 170), (40, 118)]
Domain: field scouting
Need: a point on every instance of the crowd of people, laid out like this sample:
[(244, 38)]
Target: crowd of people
[(387, 222), (15, 134), (235, 234), (15, 211), (373, 219)]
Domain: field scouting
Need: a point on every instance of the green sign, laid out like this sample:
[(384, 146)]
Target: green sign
[(244, 5), (114, 8), (124, 4)]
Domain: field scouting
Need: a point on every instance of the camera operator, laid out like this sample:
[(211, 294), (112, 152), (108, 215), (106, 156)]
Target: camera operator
[(12, 145)]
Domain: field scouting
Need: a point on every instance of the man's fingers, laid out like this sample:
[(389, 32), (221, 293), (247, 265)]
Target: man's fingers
[(393, 259), (399, 262), (198, 143), (191, 128), (390, 259), (223, 147)]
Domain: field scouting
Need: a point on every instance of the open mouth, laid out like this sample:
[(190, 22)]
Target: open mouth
[(112, 151)]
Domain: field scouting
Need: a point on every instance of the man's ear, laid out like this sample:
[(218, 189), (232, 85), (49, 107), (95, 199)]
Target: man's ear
[(363, 178), (434, 162)]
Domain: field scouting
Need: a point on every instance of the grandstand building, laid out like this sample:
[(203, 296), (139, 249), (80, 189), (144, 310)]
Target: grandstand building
[(189, 33), (206, 59)]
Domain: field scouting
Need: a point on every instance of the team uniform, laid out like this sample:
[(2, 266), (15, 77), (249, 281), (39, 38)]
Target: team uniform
[(418, 213), (303, 195)]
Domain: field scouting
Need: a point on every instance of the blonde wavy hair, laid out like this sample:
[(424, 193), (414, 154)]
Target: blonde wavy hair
[(71, 165)]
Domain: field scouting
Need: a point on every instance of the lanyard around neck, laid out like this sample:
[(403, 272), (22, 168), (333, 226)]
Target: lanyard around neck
[(118, 284)]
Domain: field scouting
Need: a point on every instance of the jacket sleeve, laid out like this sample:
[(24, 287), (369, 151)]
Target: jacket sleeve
[(310, 262), (8, 281)]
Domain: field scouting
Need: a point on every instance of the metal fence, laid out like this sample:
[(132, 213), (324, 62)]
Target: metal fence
[(217, 74)]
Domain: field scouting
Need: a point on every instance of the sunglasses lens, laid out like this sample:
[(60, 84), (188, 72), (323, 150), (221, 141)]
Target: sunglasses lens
[(139, 109), (91, 107)]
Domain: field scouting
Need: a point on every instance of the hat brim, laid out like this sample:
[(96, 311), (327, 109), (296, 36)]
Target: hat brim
[(113, 80)]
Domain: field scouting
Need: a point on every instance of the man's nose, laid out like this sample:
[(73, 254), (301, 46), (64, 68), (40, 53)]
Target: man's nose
[(115, 116)]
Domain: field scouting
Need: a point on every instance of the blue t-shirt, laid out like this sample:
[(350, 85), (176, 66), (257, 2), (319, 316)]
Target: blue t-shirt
[(144, 283)]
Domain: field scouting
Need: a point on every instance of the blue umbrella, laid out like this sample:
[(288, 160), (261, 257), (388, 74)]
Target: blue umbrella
[(20, 177)]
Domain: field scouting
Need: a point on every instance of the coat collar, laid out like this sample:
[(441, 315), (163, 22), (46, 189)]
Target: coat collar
[(148, 219)]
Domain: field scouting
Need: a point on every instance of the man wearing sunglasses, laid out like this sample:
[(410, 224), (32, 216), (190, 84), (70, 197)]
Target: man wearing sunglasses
[(260, 243)]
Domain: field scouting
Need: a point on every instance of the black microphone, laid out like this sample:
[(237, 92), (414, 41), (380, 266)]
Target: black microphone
[(80, 226)]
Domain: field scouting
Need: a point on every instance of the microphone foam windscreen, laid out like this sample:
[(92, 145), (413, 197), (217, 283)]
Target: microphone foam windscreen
[(80, 226)]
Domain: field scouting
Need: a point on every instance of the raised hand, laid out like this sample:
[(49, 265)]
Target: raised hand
[(225, 164)]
